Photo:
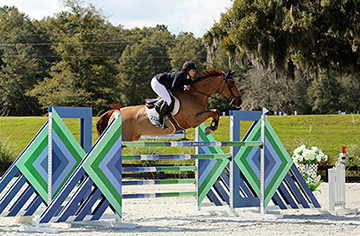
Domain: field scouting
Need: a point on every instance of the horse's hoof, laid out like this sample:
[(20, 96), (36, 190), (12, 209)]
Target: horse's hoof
[(164, 126), (207, 131)]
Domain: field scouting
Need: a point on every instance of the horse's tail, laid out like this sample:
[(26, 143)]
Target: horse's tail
[(102, 122)]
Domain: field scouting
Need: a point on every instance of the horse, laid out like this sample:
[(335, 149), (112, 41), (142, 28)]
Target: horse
[(192, 111)]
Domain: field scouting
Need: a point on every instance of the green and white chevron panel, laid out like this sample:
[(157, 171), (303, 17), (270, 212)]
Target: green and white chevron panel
[(66, 156), (104, 167), (209, 170), (277, 161)]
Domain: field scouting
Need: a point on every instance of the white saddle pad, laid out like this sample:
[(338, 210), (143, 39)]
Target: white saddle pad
[(153, 115)]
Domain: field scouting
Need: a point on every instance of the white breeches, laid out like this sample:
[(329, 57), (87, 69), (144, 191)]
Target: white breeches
[(160, 90)]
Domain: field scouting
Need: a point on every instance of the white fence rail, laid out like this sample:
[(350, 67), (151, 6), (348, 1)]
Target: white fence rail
[(337, 186)]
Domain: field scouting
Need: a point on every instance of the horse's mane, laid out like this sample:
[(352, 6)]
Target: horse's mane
[(208, 73)]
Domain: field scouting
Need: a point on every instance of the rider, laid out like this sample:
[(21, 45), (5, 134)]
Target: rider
[(173, 81)]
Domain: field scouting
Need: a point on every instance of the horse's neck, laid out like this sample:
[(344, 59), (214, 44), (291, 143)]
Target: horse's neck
[(208, 86), (200, 91)]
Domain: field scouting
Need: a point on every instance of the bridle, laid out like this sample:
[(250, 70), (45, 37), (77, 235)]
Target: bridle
[(227, 77)]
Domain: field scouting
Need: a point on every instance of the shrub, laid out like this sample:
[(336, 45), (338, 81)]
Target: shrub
[(6, 153)]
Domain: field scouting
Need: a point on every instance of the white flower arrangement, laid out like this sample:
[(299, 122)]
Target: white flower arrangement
[(302, 155), (306, 161)]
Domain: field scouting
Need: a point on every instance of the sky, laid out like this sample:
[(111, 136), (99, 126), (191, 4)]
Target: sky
[(196, 16)]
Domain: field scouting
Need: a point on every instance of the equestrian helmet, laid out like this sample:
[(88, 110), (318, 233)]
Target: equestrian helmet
[(189, 65)]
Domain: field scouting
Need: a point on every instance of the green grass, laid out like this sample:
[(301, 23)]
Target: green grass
[(328, 132), (18, 131)]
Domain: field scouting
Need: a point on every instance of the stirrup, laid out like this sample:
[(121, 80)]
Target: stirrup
[(163, 126)]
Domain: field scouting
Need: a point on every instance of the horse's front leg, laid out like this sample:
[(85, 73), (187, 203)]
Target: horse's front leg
[(200, 118), (214, 123)]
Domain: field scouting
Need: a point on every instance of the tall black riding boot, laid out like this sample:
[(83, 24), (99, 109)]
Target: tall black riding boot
[(163, 111)]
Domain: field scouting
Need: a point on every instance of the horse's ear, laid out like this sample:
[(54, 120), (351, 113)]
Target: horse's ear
[(227, 75)]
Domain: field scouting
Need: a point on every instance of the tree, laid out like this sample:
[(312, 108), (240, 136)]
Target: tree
[(350, 93), (275, 93), (282, 35), (324, 94), (85, 68), (187, 48), (333, 92), (140, 62), (20, 67)]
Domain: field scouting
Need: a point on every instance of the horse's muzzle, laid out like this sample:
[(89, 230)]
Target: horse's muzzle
[(236, 102)]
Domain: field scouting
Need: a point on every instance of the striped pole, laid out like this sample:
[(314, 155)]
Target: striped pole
[(197, 170), (231, 164), (262, 163), (156, 195), (155, 168), (158, 181), (50, 156), (192, 144), (175, 157)]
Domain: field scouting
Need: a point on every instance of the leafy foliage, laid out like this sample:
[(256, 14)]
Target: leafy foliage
[(84, 67), (284, 38), (139, 63), (19, 69), (6, 153), (187, 48), (267, 90), (311, 35), (288, 55)]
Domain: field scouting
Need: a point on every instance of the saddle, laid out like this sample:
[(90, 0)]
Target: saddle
[(153, 110), (157, 103)]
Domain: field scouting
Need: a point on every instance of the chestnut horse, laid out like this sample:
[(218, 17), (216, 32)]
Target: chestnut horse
[(192, 110)]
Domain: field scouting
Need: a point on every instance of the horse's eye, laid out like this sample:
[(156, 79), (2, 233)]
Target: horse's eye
[(231, 83)]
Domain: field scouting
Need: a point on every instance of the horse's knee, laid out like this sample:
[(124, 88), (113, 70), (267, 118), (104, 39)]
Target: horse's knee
[(215, 122), (218, 114)]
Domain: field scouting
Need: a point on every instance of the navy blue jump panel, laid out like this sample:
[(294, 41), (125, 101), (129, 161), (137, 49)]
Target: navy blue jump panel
[(240, 185)]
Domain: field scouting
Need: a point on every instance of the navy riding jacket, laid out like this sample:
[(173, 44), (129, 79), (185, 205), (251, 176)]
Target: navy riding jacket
[(173, 80)]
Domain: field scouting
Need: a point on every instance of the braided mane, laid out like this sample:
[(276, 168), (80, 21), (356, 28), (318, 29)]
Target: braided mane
[(208, 73)]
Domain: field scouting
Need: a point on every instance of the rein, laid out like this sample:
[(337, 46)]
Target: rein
[(200, 92), (230, 100)]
